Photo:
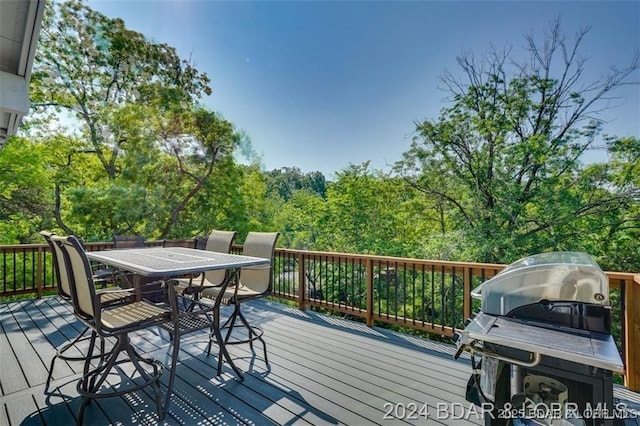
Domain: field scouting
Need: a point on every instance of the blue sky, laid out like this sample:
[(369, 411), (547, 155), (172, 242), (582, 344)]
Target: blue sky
[(321, 85)]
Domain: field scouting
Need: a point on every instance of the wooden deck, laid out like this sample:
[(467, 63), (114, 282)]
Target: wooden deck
[(323, 370)]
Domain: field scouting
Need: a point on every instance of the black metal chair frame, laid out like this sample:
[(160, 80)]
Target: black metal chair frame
[(253, 332), (89, 386), (61, 350)]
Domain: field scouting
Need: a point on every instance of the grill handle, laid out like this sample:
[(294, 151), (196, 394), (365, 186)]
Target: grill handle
[(476, 293), (537, 357)]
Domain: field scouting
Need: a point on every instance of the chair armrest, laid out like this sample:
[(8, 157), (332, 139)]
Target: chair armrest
[(116, 296), (257, 267), (230, 281), (127, 313)]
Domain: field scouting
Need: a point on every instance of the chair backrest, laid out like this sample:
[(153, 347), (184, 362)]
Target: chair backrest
[(128, 241), (59, 267), (259, 244), (200, 242), (219, 241), (80, 276)]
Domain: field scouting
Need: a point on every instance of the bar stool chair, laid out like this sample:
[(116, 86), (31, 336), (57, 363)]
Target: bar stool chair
[(64, 292), (192, 287), (253, 282), (92, 308), (110, 276)]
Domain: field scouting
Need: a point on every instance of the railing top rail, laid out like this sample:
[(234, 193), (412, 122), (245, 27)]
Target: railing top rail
[(446, 263), (13, 247), (626, 276)]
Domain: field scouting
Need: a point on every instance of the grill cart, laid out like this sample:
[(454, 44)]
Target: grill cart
[(541, 345)]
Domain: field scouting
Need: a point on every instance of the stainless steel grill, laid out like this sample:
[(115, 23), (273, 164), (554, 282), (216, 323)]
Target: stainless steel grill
[(542, 338)]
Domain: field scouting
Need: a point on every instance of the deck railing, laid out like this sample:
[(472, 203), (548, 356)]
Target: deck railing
[(425, 295)]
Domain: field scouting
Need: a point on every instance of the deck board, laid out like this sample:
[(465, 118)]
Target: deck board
[(323, 370), (11, 377)]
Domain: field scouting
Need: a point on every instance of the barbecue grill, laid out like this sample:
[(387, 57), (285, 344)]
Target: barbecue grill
[(541, 344)]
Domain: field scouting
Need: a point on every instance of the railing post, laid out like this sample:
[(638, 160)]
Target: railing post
[(369, 272), (466, 293), (632, 334), (302, 282), (39, 272)]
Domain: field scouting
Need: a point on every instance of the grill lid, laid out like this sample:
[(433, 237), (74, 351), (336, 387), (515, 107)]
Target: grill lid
[(553, 276)]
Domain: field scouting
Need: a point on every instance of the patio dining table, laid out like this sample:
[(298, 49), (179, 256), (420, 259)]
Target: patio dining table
[(164, 263), (167, 262), (153, 264)]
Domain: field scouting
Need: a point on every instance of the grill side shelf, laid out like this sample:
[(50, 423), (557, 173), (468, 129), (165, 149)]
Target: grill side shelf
[(593, 349)]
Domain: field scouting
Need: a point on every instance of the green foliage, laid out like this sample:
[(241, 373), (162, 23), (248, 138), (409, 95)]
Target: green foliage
[(24, 193), (112, 174), (92, 66), (297, 219), (502, 162), (354, 217), (100, 212), (287, 180), (614, 234)]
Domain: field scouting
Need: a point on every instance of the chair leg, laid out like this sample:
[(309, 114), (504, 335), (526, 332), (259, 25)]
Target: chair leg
[(251, 330), (92, 380), (153, 380), (136, 358), (100, 373), (223, 353), (59, 354), (84, 381), (102, 352), (251, 334), (184, 304), (175, 342), (84, 405), (230, 323), (53, 361)]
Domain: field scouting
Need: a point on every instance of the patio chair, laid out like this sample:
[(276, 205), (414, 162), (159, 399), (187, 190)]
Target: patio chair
[(200, 242), (64, 292), (128, 241), (92, 308), (253, 282), (218, 241), (106, 276)]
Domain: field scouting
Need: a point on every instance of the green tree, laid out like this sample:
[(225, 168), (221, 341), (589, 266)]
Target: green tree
[(130, 104), (25, 194), (360, 213), (614, 236), (89, 66), (167, 188), (297, 219), (255, 209), (286, 180), (210, 141), (505, 156)]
